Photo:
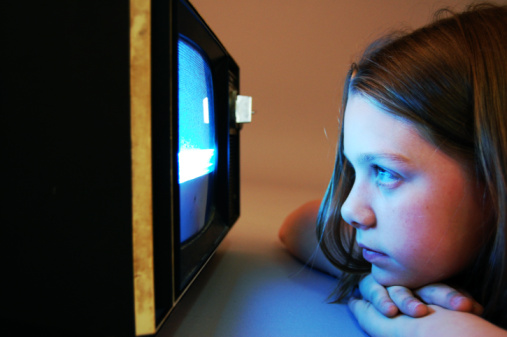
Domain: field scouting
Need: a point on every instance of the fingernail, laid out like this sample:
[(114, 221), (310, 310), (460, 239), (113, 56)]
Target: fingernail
[(390, 309), (413, 305), (456, 300), (415, 308)]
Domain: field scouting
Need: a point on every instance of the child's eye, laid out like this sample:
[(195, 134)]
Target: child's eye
[(386, 178)]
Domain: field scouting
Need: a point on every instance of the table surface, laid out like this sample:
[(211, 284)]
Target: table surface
[(253, 287)]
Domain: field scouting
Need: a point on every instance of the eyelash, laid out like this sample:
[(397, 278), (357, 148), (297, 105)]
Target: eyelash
[(380, 173)]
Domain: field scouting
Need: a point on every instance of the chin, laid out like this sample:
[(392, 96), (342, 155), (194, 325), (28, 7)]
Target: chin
[(387, 279)]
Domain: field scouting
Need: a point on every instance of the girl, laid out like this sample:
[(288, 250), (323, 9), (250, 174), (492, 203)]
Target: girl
[(419, 191)]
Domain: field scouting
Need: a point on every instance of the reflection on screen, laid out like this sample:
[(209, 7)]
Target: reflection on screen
[(197, 143)]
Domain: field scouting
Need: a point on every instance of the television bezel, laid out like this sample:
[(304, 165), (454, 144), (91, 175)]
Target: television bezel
[(187, 259)]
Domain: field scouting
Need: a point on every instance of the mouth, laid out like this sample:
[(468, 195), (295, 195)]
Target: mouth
[(371, 255)]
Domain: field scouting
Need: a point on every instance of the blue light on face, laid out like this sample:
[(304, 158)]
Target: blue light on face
[(197, 146)]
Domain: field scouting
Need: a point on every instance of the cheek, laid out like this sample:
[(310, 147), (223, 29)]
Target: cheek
[(427, 239), (428, 219), (409, 232)]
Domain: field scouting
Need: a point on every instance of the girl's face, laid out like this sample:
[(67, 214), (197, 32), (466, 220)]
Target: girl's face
[(416, 210)]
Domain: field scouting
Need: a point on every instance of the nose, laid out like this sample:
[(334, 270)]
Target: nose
[(356, 210)]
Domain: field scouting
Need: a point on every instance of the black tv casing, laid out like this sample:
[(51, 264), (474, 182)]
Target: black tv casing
[(90, 217)]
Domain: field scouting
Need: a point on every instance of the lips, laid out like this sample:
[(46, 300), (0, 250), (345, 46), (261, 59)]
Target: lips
[(372, 255)]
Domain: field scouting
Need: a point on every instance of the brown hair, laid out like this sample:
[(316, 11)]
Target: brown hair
[(449, 79)]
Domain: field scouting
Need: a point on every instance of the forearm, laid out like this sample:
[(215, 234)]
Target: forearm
[(298, 235), (443, 323)]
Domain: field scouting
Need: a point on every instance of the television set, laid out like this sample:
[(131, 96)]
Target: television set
[(120, 125)]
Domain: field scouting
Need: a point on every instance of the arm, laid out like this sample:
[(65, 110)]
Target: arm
[(298, 235)]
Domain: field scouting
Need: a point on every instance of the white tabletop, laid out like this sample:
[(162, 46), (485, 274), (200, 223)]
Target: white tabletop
[(253, 287)]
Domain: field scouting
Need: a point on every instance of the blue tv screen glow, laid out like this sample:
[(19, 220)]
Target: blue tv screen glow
[(197, 142)]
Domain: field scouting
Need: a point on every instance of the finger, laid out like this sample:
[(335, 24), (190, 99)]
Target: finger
[(406, 302), (478, 309), (377, 295), (449, 298), (373, 322), (362, 311)]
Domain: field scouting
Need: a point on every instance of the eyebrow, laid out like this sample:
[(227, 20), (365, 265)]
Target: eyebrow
[(371, 157)]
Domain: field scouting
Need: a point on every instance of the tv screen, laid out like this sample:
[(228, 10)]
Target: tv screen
[(197, 140)]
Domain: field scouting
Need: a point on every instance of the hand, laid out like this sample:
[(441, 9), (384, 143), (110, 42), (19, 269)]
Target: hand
[(392, 300), (438, 322)]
